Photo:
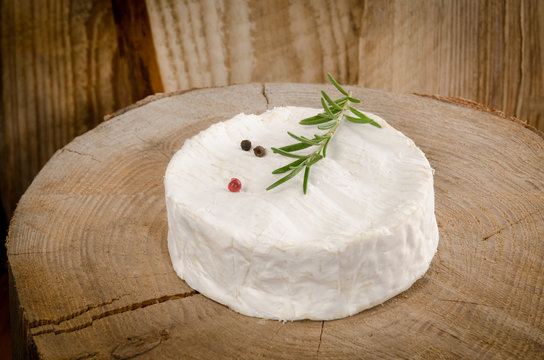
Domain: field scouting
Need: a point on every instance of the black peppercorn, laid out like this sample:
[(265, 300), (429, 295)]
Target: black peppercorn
[(259, 151), (245, 145)]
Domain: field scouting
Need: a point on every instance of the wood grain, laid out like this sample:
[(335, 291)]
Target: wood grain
[(137, 61), (63, 67), (488, 51), (213, 43), (91, 275), (46, 102)]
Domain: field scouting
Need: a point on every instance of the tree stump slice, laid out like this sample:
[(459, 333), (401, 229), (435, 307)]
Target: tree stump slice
[(91, 276)]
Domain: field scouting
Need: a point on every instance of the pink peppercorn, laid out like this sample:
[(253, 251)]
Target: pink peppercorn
[(235, 185)]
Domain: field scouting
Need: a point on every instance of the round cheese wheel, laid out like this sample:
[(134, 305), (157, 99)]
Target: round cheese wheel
[(364, 232)]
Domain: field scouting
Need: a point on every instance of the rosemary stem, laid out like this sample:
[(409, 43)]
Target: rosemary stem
[(331, 132), (330, 120)]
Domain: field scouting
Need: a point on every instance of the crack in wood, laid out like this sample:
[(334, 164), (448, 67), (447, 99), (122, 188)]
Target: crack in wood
[(320, 338), (123, 309), (73, 315), (82, 154), (265, 96), (510, 225)]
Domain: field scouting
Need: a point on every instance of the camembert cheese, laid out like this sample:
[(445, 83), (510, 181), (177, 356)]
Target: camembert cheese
[(364, 232)]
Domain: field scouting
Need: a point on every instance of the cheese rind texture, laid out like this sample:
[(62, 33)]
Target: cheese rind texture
[(364, 232)]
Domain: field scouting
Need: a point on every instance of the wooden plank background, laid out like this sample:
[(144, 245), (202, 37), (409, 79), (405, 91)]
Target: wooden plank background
[(65, 64)]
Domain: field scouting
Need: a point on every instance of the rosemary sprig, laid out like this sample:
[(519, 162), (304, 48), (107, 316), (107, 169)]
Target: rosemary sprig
[(335, 111)]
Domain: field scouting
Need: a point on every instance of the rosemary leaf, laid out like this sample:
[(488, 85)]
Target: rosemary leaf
[(341, 100), (327, 109), (330, 101), (321, 137), (294, 147), (302, 139), (306, 174), (362, 121), (327, 126), (341, 89), (354, 100), (288, 154), (325, 147), (363, 116), (314, 160), (320, 118), (358, 120), (314, 120), (288, 167), (285, 178)]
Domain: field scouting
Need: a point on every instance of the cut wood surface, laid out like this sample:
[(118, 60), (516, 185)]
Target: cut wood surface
[(91, 277)]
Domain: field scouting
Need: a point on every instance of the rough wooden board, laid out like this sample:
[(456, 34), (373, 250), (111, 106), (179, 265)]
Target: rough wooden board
[(64, 65), (487, 51), (214, 43), (91, 272)]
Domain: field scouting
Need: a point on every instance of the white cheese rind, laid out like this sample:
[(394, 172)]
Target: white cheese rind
[(365, 231)]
